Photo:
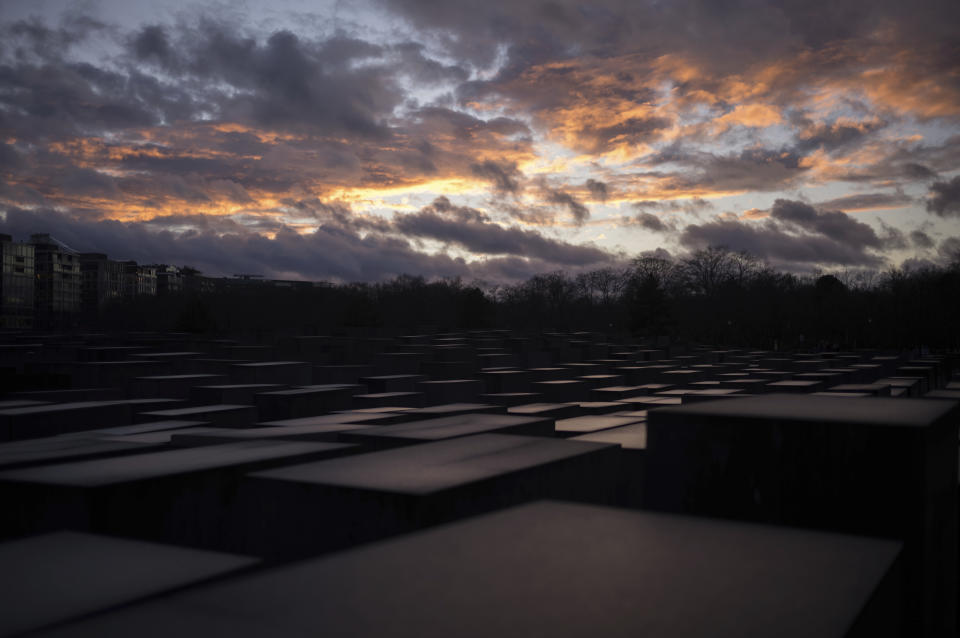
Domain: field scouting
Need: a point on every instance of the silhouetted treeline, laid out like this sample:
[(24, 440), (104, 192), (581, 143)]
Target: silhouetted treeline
[(714, 296)]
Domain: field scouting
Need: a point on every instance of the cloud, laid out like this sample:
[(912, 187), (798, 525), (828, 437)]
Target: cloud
[(577, 210), (88, 182), (867, 201), (840, 134), (949, 250), (921, 240), (700, 172), (598, 190), (651, 222), (559, 107), (691, 206), (474, 231), (797, 236), (836, 225), (503, 175), (944, 199), (342, 246)]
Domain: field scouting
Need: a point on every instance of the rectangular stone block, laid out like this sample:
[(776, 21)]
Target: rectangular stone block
[(61, 418), (285, 372), (583, 424), (877, 466), (176, 386), (547, 410), (386, 399), (183, 496), (449, 427), (237, 394), (57, 577), (508, 399), (305, 401), (55, 449), (450, 391), (552, 569), (316, 507), (392, 382), (226, 415)]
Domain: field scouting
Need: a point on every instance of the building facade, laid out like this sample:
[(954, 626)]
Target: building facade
[(169, 279), (57, 290), (101, 282), (17, 281)]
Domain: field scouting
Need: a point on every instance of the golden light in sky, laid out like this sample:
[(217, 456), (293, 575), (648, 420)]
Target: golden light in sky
[(274, 141)]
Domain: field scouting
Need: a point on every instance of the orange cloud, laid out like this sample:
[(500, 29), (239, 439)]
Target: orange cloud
[(754, 115)]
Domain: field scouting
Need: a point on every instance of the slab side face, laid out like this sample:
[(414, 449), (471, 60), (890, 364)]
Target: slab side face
[(544, 569)]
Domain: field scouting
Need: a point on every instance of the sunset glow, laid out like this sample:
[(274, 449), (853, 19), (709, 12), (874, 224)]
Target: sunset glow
[(497, 142)]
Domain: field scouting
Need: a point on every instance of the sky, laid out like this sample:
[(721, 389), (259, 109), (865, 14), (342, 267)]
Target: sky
[(356, 141)]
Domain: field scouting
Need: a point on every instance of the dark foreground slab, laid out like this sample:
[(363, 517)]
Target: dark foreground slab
[(876, 466), (61, 576), (551, 569), (314, 507), (183, 496), (449, 427), (632, 440)]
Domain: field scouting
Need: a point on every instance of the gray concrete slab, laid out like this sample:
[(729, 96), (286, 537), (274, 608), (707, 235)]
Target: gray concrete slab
[(880, 466), (551, 569), (57, 577)]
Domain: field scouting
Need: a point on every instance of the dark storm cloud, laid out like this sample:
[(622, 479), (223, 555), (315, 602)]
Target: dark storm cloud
[(503, 175), (282, 81), (152, 42), (344, 246), (10, 157), (577, 210), (837, 135), (327, 253), (34, 38), (465, 126), (598, 190), (866, 201), (949, 250), (691, 206), (91, 183), (777, 246), (921, 240), (474, 231), (836, 225), (905, 162), (752, 169), (892, 237), (944, 198), (61, 101), (727, 35), (210, 114), (797, 236), (634, 130), (651, 222)]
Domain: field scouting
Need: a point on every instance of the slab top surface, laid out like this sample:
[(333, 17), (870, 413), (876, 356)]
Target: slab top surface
[(629, 437), (55, 577), (592, 423), (448, 426), (828, 409), (101, 472), (543, 569), (431, 467)]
